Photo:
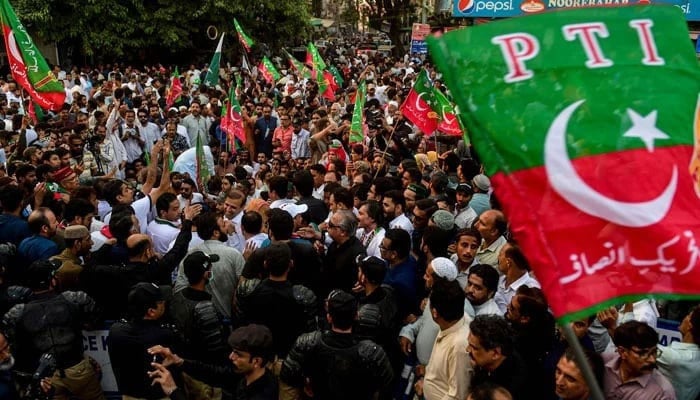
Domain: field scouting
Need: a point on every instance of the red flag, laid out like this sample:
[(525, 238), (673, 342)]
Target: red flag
[(232, 122), (175, 89), (329, 86), (418, 105)]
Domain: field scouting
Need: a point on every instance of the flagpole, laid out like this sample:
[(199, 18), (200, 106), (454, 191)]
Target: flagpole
[(583, 365), (391, 135)]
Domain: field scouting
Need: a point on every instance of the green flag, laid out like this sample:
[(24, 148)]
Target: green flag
[(268, 70), (202, 167), (586, 121), (245, 40), (356, 128), (316, 58), (28, 67), (338, 76), (212, 78)]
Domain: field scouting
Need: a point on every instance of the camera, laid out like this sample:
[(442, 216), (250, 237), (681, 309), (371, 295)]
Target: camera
[(46, 368)]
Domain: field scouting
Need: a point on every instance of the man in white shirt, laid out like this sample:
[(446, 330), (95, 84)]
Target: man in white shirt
[(300, 141), (234, 204), (149, 131), (464, 215), (251, 224), (131, 137), (481, 286), (514, 269), (188, 195), (394, 205), (369, 229), (165, 227)]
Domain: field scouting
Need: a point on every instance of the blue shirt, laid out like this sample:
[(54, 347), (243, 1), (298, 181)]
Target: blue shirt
[(680, 363), (404, 281), (37, 248), (13, 229), (480, 202)]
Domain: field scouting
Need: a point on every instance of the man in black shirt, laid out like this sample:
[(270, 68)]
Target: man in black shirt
[(128, 340)]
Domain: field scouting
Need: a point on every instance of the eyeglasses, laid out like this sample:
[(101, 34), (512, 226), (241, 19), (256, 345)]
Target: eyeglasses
[(646, 353), (332, 225)]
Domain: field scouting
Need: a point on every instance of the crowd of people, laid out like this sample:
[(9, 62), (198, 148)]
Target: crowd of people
[(305, 266)]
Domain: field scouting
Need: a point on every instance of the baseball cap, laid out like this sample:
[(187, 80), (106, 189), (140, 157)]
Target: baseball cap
[(254, 339), (198, 262), (419, 190), (294, 209), (143, 295)]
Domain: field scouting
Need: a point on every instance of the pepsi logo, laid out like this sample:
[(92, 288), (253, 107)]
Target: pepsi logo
[(466, 6)]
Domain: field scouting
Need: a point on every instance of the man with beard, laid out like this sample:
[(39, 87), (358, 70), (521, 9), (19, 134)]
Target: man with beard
[(226, 270), (247, 378), (481, 286), (263, 129), (631, 372), (394, 206), (197, 125), (13, 228), (43, 224)]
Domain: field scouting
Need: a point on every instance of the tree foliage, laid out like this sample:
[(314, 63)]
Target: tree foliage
[(397, 13), (124, 28)]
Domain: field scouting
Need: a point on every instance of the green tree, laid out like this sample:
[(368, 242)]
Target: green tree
[(125, 28)]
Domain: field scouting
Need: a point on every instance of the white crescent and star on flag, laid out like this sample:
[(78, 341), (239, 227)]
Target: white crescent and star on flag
[(568, 184)]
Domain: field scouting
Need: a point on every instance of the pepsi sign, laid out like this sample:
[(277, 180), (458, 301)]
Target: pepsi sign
[(513, 8)]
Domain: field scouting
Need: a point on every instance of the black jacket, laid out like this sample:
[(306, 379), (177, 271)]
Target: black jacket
[(128, 343)]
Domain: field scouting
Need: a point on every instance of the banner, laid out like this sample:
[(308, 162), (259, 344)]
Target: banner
[(514, 8)]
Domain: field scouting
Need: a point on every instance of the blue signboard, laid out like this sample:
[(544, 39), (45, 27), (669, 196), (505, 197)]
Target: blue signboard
[(419, 47), (514, 8)]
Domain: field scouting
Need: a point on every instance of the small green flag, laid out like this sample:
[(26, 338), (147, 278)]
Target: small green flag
[(319, 64), (268, 70), (356, 129), (245, 40), (212, 78), (336, 74)]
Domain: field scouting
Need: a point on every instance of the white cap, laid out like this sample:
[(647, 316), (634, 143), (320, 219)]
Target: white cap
[(444, 268), (294, 209)]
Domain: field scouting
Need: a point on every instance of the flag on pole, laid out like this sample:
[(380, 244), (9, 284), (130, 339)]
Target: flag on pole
[(202, 168), (175, 89), (448, 119), (316, 59), (418, 106), (336, 74), (587, 148), (297, 66), (212, 77), (35, 112), (268, 70), (356, 126), (245, 40), (28, 67), (232, 121), (245, 65), (326, 85)]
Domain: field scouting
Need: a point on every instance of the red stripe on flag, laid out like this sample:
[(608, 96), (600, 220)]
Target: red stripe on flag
[(582, 260)]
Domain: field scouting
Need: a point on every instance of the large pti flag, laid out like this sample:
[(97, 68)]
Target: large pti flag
[(28, 67), (356, 126), (245, 40), (212, 78), (588, 147), (418, 105)]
